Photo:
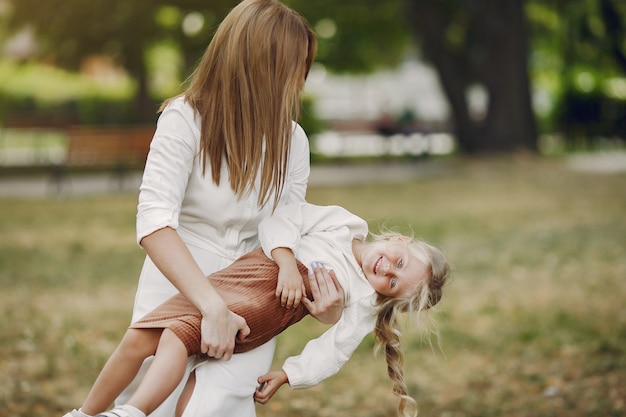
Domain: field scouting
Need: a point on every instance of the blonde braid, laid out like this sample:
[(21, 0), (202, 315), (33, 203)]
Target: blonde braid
[(387, 332)]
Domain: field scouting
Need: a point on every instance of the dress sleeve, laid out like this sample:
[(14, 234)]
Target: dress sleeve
[(170, 161), (285, 227), (300, 166), (323, 357)]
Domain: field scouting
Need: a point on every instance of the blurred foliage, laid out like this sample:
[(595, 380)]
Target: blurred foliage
[(116, 28), (309, 119), (51, 84), (49, 96), (577, 56), (124, 31), (579, 59), (357, 36)]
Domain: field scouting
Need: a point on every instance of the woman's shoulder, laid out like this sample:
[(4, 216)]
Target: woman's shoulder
[(298, 132), (180, 105), (299, 140), (179, 112)]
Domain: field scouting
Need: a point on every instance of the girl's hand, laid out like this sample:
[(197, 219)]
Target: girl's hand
[(328, 296), (290, 287), (219, 331), (268, 385)]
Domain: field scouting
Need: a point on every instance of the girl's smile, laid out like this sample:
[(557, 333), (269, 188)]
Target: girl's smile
[(377, 264)]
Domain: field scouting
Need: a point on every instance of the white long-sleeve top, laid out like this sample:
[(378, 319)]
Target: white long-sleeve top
[(324, 234), (216, 226)]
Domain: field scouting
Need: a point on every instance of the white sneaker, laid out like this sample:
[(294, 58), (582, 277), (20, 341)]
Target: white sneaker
[(116, 412), (73, 413)]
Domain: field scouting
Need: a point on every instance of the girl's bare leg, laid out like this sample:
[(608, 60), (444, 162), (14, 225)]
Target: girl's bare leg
[(121, 368), (164, 375)]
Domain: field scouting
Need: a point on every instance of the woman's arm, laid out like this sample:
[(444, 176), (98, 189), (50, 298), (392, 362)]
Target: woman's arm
[(170, 162), (220, 326)]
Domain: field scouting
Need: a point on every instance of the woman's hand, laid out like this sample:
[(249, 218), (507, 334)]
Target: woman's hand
[(219, 330), (268, 385), (220, 326), (328, 296)]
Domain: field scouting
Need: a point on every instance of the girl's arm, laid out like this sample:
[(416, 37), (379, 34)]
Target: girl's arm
[(326, 294), (321, 357), (324, 356), (290, 287), (269, 384), (285, 228), (220, 326)]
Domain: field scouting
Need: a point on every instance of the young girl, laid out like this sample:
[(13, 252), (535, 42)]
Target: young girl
[(391, 274)]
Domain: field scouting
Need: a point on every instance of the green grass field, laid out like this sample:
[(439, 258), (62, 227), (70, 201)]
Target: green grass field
[(532, 324)]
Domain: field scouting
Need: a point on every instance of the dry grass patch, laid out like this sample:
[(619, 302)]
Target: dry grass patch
[(532, 323)]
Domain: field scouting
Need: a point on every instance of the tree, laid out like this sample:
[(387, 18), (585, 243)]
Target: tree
[(469, 42), (586, 40), (357, 36), (70, 30), (485, 43)]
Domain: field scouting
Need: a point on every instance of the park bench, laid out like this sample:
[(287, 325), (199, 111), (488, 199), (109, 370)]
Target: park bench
[(117, 150)]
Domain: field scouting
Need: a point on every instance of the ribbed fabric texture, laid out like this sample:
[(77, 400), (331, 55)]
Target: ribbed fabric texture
[(248, 287)]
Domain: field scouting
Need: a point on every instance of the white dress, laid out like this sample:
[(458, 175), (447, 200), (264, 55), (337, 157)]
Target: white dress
[(217, 228)]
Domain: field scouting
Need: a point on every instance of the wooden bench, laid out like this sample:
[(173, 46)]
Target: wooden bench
[(117, 150)]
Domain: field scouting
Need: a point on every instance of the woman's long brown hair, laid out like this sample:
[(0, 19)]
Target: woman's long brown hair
[(246, 91)]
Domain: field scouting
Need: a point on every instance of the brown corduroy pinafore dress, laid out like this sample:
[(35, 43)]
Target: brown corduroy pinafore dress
[(248, 286)]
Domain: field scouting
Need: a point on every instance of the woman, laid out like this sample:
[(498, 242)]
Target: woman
[(225, 153)]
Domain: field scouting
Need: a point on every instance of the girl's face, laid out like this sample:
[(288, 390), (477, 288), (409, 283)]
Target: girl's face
[(390, 268)]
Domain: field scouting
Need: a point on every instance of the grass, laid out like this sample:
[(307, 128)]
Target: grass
[(532, 323)]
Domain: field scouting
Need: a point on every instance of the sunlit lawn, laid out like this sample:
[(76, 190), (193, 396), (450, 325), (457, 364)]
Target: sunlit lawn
[(532, 324)]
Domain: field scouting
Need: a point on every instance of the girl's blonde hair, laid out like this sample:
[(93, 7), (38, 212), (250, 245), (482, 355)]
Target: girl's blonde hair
[(427, 293), (246, 91)]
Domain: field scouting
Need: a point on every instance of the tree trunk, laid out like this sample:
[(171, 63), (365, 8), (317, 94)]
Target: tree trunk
[(145, 108), (510, 123), (493, 53)]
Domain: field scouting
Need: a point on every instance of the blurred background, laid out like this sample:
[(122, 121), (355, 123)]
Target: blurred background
[(399, 77), (494, 129)]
